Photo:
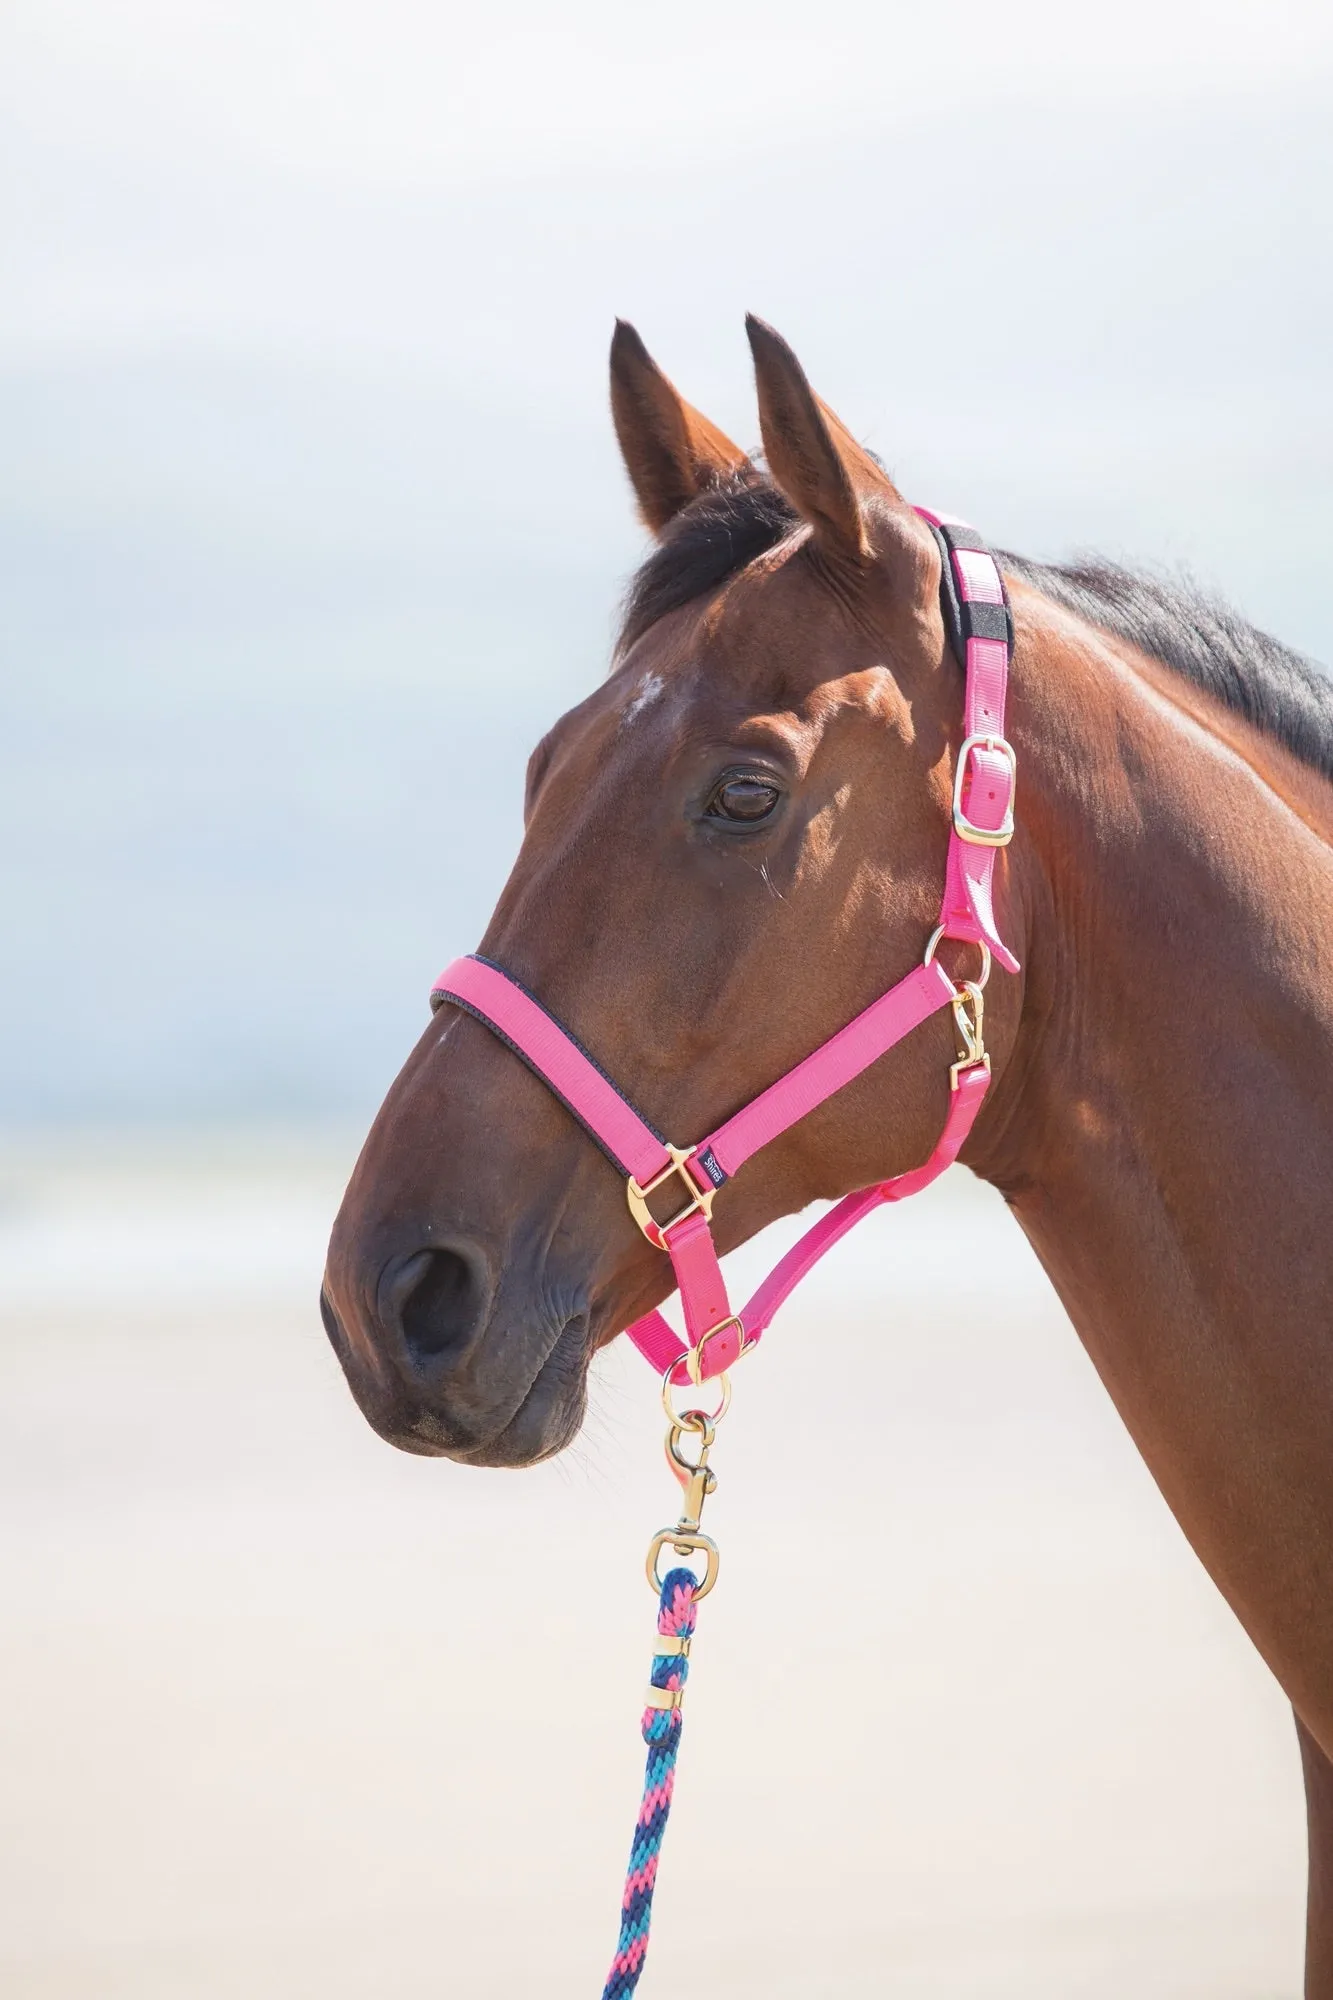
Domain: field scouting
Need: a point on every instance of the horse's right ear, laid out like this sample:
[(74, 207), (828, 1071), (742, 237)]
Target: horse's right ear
[(672, 454)]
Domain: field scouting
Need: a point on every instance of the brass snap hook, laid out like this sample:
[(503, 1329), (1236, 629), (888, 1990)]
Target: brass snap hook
[(969, 1013)]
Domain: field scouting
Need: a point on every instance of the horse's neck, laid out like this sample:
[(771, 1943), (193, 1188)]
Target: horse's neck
[(1164, 1125)]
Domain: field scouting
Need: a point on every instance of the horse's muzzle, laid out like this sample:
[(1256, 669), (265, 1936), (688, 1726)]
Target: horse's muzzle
[(442, 1364)]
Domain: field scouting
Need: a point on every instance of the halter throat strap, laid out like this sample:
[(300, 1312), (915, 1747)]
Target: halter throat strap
[(683, 1181)]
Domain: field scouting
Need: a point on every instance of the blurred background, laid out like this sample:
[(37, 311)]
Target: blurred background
[(310, 523)]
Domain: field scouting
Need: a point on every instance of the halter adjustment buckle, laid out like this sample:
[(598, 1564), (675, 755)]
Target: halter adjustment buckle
[(700, 1200), (967, 829), (694, 1356)]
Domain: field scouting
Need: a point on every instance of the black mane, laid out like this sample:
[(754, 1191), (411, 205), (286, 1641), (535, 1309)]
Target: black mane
[(1198, 636), (1204, 640), (711, 540)]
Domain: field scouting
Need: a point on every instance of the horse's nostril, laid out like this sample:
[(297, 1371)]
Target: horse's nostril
[(437, 1297)]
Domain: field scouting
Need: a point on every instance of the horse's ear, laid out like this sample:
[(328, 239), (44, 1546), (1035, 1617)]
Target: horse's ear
[(812, 456), (672, 453)]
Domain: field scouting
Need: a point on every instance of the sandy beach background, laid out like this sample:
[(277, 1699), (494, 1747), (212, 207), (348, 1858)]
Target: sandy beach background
[(285, 1713)]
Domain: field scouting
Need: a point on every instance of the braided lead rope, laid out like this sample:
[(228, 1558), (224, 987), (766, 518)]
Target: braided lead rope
[(661, 1732)]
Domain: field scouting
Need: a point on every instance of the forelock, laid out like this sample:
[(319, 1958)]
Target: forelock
[(712, 539)]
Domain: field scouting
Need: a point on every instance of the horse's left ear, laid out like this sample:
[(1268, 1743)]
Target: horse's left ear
[(671, 451), (812, 456)]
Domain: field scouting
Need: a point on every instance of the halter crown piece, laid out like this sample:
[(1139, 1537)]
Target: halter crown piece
[(980, 627)]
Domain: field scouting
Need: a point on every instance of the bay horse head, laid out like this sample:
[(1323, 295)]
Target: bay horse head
[(732, 846)]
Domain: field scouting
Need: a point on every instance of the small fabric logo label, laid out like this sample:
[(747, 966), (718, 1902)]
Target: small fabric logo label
[(709, 1162)]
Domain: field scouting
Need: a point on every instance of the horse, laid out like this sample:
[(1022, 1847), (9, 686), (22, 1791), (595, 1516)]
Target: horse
[(736, 842)]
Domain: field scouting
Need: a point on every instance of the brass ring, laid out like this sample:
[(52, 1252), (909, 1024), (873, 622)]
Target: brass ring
[(932, 946), (683, 1417)]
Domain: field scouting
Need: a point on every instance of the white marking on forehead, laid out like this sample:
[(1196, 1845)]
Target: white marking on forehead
[(645, 694)]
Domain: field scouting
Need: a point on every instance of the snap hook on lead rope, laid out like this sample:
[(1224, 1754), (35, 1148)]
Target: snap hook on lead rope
[(678, 1593)]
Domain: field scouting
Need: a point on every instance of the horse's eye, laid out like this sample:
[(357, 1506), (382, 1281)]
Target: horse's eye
[(745, 799)]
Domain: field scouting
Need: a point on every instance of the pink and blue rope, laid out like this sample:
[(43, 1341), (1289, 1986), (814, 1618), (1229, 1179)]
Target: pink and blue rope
[(661, 1732)]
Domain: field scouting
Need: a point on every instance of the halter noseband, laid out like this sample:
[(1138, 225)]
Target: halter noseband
[(981, 631)]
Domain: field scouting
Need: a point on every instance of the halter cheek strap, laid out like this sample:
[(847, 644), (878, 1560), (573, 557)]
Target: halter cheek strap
[(982, 632), (682, 1182)]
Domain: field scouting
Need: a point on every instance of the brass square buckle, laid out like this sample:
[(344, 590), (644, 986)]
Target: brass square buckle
[(700, 1199), (967, 829)]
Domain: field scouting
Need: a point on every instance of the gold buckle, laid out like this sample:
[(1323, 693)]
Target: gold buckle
[(700, 1199), (695, 1420), (694, 1356), (967, 829)]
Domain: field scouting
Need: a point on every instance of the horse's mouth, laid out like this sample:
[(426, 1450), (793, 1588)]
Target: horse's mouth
[(516, 1425)]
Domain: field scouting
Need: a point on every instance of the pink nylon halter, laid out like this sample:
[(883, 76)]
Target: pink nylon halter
[(983, 819)]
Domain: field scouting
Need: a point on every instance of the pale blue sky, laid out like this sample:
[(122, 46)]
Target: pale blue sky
[(311, 518)]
